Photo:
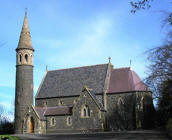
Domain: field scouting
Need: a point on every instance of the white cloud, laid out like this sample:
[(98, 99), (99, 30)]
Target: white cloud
[(7, 96), (7, 85), (89, 44), (7, 104)]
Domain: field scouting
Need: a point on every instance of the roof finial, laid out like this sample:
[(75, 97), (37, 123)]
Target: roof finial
[(25, 11), (84, 87), (46, 68), (130, 62), (109, 59)]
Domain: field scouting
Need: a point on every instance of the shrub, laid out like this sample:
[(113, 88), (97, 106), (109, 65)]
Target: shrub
[(6, 127)]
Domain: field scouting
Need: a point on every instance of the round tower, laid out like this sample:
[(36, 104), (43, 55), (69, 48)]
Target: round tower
[(24, 76)]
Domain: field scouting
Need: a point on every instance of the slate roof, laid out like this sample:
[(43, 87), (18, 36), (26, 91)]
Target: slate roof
[(41, 111), (98, 102), (125, 80), (70, 82), (58, 110)]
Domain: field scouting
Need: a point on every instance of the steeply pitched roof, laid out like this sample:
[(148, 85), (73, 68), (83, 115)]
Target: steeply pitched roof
[(25, 37), (41, 111), (125, 80), (69, 82), (58, 110), (93, 96)]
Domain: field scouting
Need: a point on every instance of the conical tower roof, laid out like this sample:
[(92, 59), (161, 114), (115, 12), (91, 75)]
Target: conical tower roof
[(25, 37)]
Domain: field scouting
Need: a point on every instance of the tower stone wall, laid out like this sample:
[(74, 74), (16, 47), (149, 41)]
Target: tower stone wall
[(24, 76)]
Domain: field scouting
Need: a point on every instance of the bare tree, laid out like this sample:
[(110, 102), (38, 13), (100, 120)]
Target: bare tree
[(6, 127), (160, 68), (145, 5)]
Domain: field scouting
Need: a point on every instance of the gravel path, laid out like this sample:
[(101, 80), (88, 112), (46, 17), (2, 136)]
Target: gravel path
[(124, 135)]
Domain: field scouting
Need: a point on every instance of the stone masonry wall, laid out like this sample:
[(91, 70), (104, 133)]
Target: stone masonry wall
[(128, 111), (121, 111), (24, 94)]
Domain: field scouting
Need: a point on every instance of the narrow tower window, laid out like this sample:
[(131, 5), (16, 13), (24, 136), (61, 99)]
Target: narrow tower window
[(26, 57), (20, 58), (31, 58)]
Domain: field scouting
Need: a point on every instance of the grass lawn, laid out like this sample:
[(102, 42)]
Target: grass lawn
[(10, 137)]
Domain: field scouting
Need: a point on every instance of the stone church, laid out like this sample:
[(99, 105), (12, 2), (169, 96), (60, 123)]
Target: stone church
[(81, 99)]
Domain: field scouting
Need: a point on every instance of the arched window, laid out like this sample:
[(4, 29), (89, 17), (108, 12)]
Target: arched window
[(88, 111), (85, 111), (52, 121), (142, 103), (69, 121), (31, 59), (45, 104), (120, 106), (60, 102), (26, 57), (74, 101), (20, 58)]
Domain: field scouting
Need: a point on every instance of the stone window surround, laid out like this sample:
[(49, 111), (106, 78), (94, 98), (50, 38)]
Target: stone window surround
[(24, 57), (52, 121), (120, 105), (60, 102), (142, 103), (99, 114), (85, 111), (69, 121), (45, 103)]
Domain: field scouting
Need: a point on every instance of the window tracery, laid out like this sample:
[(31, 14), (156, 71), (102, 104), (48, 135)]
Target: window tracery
[(85, 111)]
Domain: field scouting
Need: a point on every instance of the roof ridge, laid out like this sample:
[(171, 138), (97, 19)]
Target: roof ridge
[(77, 67), (136, 83), (122, 68), (37, 107), (58, 106), (133, 80)]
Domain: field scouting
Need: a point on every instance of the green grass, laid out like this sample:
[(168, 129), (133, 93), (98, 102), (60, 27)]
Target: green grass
[(10, 137)]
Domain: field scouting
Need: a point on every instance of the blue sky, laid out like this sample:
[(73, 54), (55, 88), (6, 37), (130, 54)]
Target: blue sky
[(71, 33)]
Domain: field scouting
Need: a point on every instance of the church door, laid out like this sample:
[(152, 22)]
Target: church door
[(31, 125)]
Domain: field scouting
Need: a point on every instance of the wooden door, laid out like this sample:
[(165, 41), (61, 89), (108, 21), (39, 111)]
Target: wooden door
[(31, 125)]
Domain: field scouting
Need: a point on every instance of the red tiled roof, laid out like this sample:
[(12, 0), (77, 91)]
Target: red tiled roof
[(58, 110), (125, 80)]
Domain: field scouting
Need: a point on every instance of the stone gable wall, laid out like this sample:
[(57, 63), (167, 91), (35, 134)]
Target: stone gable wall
[(39, 126), (120, 117), (94, 122), (133, 114)]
